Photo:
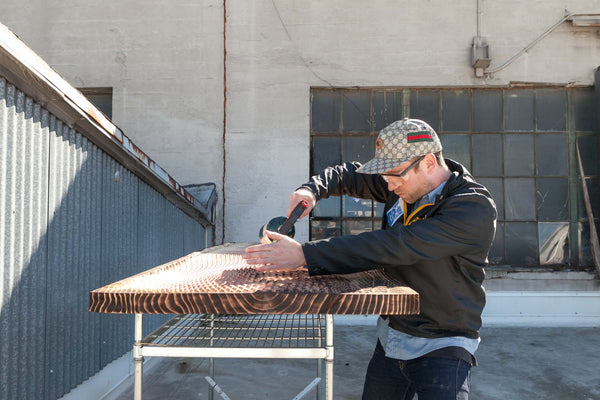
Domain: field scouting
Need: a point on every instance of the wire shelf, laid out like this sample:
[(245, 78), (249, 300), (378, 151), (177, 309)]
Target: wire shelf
[(241, 331)]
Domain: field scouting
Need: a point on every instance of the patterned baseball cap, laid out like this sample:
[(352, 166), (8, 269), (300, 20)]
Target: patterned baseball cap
[(399, 142)]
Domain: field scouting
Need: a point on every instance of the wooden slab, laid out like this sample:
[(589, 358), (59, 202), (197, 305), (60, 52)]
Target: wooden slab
[(219, 281)]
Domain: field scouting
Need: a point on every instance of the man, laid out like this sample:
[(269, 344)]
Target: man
[(436, 233)]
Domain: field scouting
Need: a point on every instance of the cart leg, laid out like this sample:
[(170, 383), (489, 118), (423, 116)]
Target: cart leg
[(138, 358), (320, 375), (211, 361), (329, 357)]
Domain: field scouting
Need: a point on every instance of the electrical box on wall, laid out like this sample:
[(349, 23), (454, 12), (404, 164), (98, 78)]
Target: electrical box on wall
[(481, 55)]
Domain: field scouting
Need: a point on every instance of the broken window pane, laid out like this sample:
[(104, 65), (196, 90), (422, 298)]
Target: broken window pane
[(552, 199), (554, 242)]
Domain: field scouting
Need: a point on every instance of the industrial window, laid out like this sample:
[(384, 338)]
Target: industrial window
[(518, 142), (101, 98)]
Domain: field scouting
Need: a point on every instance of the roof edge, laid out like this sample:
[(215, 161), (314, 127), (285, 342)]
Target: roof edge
[(31, 74)]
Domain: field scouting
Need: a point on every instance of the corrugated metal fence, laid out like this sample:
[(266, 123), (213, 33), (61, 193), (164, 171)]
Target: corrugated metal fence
[(72, 219)]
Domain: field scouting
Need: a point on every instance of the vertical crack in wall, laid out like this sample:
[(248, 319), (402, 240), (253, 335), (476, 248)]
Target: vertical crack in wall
[(224, 115)]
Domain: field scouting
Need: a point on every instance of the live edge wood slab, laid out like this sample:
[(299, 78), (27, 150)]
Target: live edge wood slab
[(217, 280)]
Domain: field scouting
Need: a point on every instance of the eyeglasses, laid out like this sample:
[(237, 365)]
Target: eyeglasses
[(403, 173)]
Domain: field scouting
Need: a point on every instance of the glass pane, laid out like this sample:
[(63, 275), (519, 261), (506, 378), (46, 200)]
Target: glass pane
[(585, 251), (456, 111), (356, 227), (584, 109), (496, 188), (518, 110), (519, 199), (387, 108), (521, 243), (324, 229), (496, 256), (354, 207), (588, 148), (357, 148), (554, 242), (592, 187), (551, 109), (356, 111), (425, 105), (487, 110), (326, 152), (458, 148), (487, 155), (378, 210), (325, 111), (101, 100), (551, 154), (330, 207), (518, 155), (552, 199)]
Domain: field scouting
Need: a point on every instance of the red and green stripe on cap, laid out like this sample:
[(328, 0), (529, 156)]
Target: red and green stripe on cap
[(421, 136)]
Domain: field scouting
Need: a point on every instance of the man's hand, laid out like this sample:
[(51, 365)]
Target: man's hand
[(284, 254), (302, 195)]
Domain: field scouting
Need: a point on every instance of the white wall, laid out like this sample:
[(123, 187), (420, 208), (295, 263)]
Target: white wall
[(164, 59)]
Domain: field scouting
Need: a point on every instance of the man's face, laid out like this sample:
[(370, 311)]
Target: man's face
[(412, 185)]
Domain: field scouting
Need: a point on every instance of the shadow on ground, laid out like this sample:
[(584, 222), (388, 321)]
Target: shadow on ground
[(514, 363)]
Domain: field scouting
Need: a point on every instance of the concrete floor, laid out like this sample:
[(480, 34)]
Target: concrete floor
[(514, 363)]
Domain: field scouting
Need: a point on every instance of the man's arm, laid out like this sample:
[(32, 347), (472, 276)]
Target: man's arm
[(464, 227), (286, 253), (344, 180)]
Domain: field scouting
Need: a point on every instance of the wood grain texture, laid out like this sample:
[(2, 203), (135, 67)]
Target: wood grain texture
[(219, 281)]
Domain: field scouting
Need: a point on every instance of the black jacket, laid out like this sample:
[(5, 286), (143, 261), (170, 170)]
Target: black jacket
[(441, 252)]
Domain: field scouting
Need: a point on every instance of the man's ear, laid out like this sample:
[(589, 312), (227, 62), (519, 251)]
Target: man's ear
[(430, 162)]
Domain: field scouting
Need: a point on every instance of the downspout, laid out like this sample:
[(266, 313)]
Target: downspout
[(224, 116), (478, 19)]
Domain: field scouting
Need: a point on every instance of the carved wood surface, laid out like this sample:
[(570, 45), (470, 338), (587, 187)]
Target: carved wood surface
[(219, 281)]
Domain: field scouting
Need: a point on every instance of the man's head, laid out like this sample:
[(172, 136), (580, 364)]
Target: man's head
[(403, 150), (401, 141)]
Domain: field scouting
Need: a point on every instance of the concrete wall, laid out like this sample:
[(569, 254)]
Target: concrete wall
[(277, 49), (169, 55)]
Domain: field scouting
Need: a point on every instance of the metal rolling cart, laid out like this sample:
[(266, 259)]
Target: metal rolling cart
[(226, 309), (212, 336)]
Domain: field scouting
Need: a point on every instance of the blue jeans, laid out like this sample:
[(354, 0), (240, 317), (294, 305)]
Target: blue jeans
[(432, 378)]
